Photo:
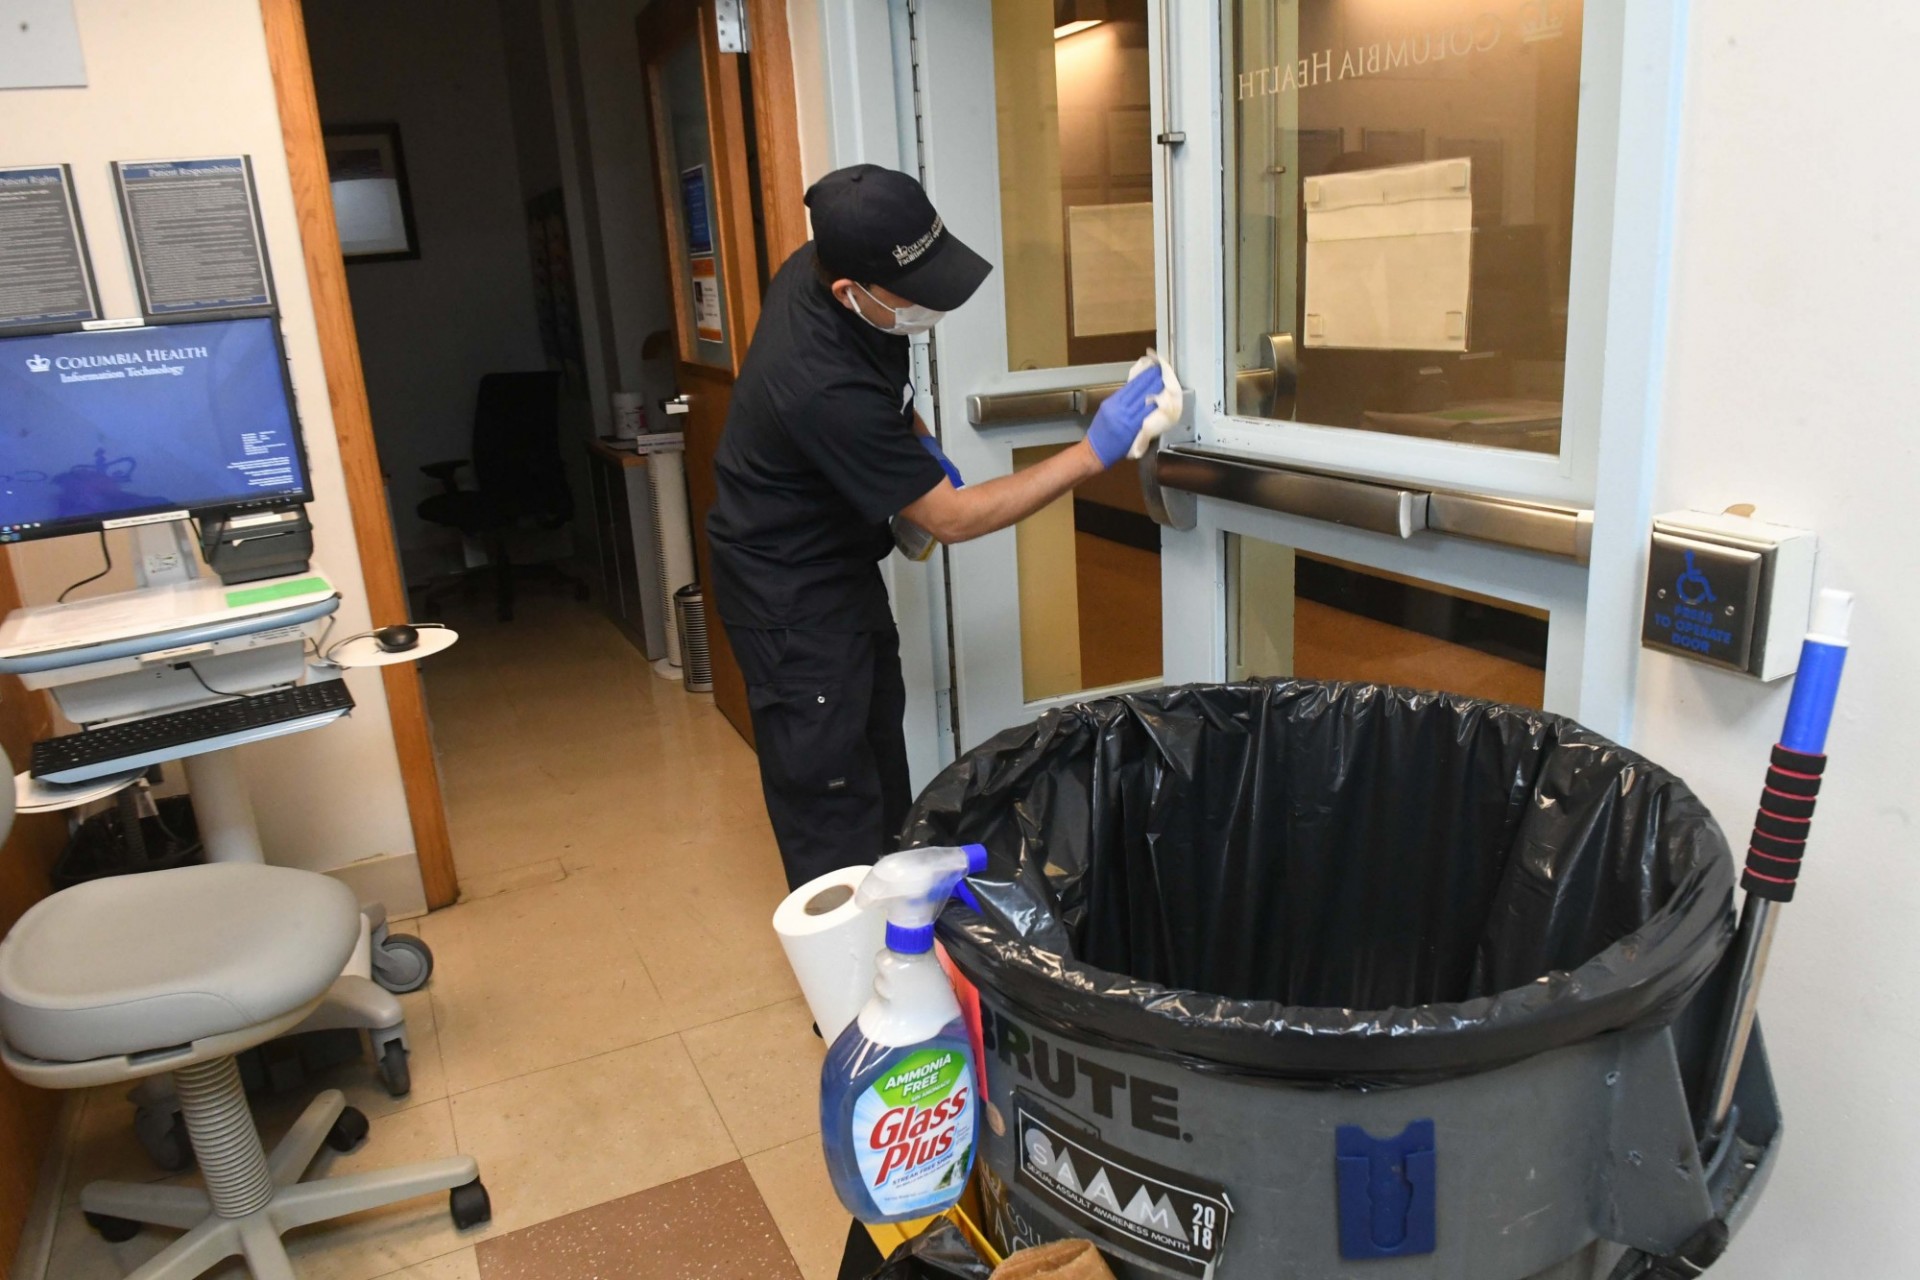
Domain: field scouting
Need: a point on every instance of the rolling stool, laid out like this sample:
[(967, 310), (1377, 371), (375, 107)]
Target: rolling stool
[(178, 971)]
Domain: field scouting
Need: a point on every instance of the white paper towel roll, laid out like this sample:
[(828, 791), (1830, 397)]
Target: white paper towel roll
[(831, 945)]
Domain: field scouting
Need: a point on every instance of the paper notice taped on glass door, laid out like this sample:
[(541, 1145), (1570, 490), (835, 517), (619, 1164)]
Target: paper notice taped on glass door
[(1110, 268), (1390, 257), (706, 300)]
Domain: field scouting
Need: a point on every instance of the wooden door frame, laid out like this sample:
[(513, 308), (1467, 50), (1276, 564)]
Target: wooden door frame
[(776, 115), (665, 23), (659, 28), (353, 428)]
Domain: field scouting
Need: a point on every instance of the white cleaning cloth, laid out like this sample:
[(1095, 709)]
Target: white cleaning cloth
[(1168, 403)]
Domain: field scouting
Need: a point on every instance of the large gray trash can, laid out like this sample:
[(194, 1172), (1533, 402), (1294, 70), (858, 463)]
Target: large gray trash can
[(1291, 979)]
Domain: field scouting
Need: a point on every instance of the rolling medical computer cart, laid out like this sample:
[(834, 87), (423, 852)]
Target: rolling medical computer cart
[(152, 428)]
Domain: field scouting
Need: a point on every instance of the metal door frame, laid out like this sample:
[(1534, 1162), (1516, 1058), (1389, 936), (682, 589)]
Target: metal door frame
[(867, 79), (1592, 669)]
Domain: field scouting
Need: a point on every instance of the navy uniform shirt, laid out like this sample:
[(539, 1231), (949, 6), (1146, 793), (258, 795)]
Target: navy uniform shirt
[(819, 451)]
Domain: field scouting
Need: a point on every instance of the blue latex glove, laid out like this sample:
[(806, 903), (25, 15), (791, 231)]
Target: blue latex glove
[(932, 446), (1121, 415)]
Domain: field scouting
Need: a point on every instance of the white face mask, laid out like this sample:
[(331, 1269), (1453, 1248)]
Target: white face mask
[(906, 320)]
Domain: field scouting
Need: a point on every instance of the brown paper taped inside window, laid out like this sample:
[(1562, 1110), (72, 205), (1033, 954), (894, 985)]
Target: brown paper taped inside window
[(1061, 1260)]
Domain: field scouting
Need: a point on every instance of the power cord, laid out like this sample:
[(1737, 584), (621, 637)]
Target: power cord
[(224, 693), (106, 553), (319, 643)]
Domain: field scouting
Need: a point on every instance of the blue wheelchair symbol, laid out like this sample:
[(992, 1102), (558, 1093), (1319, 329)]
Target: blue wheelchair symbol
[(1692, 586)]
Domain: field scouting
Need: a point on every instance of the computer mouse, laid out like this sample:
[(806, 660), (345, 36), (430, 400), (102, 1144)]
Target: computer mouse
[(396, 639)]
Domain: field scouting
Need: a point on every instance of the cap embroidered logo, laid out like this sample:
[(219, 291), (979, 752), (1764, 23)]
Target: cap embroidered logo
[(905, 254)]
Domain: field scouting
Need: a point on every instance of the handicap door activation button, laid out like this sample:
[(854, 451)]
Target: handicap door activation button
[(1702, 599)]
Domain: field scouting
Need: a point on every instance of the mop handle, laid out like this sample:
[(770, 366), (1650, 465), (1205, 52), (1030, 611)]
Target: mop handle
[(1779, 841), (1781, 827)]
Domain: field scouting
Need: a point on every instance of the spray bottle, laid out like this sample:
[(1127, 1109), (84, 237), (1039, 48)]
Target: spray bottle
[(898, 1094)]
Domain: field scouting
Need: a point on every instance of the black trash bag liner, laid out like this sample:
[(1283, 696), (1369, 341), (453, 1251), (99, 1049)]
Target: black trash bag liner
[(941, 1252), (1329, 881)]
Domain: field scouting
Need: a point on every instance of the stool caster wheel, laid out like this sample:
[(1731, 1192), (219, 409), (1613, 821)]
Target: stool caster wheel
[(470, 1205), (394, 1071), (119, 1230), (402, 963), (163, 1136), (349, 1131)]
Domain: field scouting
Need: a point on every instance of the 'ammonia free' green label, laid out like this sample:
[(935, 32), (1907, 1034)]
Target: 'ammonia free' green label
[(929, 1073)]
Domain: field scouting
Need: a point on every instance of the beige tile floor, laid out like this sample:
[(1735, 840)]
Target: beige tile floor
[(609, 1009)]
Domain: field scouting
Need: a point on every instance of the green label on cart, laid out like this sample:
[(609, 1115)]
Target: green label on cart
[(277, 591)]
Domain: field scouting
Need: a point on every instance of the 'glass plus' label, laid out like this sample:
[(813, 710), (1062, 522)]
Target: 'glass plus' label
[(913, 1132)]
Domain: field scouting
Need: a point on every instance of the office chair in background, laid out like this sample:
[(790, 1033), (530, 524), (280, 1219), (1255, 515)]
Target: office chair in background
[(520, 481)]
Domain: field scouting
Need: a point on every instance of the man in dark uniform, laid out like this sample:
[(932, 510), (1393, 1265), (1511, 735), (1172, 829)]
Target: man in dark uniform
[(822, 450)]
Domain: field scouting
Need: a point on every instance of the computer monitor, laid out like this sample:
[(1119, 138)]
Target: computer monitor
[(105, 427)]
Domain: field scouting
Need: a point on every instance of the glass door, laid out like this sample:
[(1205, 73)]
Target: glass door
[(1384, 242), (1401, 231), (1035, 142)]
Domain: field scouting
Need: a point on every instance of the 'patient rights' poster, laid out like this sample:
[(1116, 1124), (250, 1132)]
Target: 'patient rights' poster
[(46, 280), (194, 227)]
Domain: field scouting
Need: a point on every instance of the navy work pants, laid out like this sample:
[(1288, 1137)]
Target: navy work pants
[(827, 710)]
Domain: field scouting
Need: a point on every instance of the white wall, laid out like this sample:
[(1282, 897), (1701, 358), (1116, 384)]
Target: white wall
[(430, 327), (190, 78), (1792, 384)]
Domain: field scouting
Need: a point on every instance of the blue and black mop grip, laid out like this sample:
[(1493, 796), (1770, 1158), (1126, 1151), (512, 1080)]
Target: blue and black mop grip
[(1780, 828)]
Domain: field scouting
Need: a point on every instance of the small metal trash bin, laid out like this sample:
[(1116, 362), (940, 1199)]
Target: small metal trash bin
[(1315, 980), (690, 620)]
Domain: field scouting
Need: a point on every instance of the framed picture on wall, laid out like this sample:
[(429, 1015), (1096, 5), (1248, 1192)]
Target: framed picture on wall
[(371, 202)]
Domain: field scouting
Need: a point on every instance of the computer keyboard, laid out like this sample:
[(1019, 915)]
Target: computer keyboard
[(115, 748)]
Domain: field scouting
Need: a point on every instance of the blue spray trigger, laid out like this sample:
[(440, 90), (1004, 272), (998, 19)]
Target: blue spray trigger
[(976, 863), (913, 887)]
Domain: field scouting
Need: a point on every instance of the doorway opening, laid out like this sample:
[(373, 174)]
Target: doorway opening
[(497, 177)]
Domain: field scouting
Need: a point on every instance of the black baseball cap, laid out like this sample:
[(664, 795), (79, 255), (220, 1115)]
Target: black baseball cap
[(876, 226)]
